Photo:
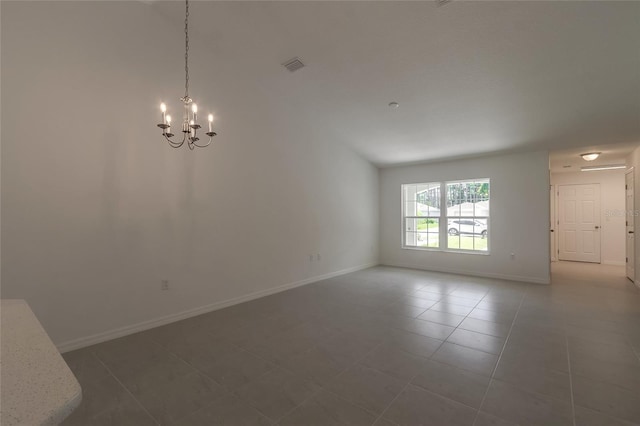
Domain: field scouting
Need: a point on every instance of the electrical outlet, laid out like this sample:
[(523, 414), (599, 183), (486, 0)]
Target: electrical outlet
[(310, 258), (164, 285)]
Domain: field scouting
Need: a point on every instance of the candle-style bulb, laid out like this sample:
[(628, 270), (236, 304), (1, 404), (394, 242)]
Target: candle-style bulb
[(194, 108), (163, 108), (168, 124), (210, 118)]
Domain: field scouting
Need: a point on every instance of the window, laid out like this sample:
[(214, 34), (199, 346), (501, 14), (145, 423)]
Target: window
[(468, 214), (422, 214), (463, 223)]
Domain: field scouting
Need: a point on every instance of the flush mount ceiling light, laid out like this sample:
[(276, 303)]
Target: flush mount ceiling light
[(590, 156), (190, 124), (394, 105), (607, 167)]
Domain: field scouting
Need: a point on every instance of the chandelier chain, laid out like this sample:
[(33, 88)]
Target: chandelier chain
[(189, 126), (186, 51)]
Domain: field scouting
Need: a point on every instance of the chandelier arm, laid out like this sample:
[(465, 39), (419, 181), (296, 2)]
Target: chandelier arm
[(206, 145), (184, 138), (173, 143)]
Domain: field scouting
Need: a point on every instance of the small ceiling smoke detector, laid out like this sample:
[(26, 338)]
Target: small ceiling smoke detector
[(293, 65), (394, 105), (590, 156)]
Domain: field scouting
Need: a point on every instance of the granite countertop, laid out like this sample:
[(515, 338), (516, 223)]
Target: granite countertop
[(37, 386)]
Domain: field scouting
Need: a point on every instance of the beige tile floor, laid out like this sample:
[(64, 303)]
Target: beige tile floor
[(384, 346)]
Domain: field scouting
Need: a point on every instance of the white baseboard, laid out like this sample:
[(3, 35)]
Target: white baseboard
[(613, 263), (167, 319), (526, 279)]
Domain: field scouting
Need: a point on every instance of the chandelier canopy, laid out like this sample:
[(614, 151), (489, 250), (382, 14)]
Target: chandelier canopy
[(190, 124)]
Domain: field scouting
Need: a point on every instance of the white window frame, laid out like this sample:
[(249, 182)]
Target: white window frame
[(405, 217), (443, 219)]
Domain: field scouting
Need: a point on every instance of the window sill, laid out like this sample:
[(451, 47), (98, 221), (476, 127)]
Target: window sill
[(439, 250)]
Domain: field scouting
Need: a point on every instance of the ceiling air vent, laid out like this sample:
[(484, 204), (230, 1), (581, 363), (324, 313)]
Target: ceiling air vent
[(293, 65), (442, 2)]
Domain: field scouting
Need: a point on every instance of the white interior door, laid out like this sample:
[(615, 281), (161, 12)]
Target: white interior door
[(629, 207), (579, 222), (552, 223)]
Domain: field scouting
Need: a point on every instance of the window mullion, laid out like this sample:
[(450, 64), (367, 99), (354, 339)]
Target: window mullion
[(444, 240)]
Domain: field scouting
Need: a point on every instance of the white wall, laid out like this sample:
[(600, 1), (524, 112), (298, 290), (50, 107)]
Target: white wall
[(97, 209), (519, 217), (612, 199)]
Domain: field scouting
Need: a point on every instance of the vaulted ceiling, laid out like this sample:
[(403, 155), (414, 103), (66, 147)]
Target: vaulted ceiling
[(471, 77)]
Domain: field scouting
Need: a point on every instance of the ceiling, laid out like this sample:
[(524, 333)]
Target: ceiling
[(471, 78)]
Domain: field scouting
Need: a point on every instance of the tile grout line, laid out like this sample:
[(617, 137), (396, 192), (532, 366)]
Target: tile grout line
[(495, 368), (633, 348), (275, 422), (456, 327), (274, 364), (394, 399), (184, 361), (405, 387), (356, 362), (322, 387), (222, 387), (442, 342), (573, 406), (463, 320), (445, 325), (445, 340), (410, 382), (125, 388)]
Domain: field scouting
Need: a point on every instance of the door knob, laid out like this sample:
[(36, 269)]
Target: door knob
[(597, 227), (631, 232)]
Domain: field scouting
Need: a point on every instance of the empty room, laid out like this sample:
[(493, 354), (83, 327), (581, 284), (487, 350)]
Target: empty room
[(319, 213)]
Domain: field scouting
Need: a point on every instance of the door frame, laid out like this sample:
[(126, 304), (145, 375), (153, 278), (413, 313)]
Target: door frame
[(630, 217), (552, 223)]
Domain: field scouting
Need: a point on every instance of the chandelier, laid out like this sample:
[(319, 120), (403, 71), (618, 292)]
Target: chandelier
[(190, 124)]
